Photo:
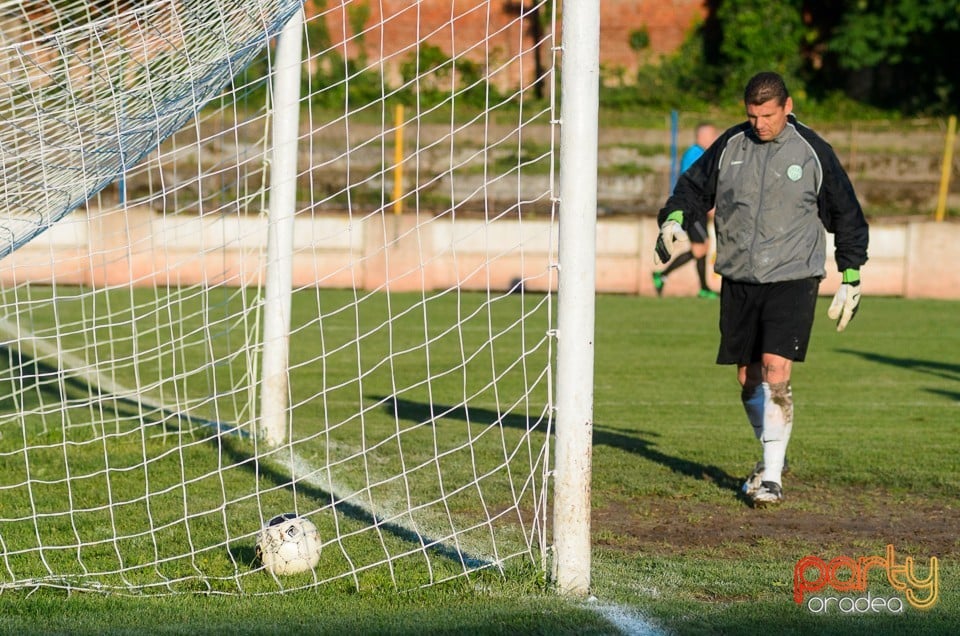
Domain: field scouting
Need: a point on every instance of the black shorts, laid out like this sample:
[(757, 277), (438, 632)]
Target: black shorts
[(766, 318)]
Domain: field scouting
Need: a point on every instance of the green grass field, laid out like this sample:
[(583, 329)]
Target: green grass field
[(873, 462)]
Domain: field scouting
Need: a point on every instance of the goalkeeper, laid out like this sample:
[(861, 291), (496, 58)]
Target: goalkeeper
[(776, 186)]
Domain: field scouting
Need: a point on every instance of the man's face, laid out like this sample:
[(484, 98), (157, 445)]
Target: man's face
[(769, 118)]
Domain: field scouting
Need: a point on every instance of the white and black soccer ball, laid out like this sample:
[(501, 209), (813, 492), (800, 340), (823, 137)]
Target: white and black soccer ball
[(288, 544)]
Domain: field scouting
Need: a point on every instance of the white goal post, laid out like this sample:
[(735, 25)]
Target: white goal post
[(577, 287), (262, 260)]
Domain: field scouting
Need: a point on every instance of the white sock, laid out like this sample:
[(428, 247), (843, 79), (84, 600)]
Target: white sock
[(777, 424), (753, 401)]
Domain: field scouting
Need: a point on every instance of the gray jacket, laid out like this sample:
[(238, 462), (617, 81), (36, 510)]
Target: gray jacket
[(773, 202)]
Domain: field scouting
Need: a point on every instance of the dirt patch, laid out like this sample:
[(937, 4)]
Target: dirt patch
[(808, 519)]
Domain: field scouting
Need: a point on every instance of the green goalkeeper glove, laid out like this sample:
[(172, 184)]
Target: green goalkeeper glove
[(670, 232), (847, 299)]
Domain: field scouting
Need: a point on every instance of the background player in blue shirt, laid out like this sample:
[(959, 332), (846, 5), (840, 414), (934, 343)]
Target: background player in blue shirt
[(704, 135)]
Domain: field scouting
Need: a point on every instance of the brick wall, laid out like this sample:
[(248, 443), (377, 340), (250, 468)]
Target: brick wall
[(667, 22), (496, 32)]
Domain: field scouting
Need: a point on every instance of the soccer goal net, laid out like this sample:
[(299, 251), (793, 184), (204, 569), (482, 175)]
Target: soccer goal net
[(272, 260)]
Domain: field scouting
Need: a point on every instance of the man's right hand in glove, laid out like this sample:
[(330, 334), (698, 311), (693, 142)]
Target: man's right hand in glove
[(670, 232)]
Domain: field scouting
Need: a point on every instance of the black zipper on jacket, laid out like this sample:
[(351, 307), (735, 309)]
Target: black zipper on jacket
[(756, 218)]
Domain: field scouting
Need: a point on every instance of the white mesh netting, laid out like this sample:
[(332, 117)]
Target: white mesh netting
[(135, 141)]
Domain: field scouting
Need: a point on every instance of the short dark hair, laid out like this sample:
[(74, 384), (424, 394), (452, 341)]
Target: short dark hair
[(763, 87)]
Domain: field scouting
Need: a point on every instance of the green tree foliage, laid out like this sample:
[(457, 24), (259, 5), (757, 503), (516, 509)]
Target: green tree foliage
[(639, 39), (900, 52), (889, 54), (759, 35)]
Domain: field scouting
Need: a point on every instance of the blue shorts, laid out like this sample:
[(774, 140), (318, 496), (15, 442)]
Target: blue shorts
[(758, 318)]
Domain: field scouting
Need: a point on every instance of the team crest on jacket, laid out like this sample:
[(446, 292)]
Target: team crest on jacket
[(794, 172)]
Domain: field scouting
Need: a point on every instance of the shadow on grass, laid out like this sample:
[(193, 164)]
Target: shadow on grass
[(945, 370), (950, 395), (420, 412), (33, 377), (637, 442), (29, 379), (769, 618), (646, 448), (343, 507)]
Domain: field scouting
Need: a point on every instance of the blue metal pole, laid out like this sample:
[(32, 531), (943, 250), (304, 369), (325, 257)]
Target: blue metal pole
[(674, 135)]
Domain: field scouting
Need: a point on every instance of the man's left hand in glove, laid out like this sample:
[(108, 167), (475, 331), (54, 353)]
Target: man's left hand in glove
[(847, 299)]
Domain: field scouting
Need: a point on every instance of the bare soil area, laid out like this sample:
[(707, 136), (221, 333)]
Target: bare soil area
[(837, 522)]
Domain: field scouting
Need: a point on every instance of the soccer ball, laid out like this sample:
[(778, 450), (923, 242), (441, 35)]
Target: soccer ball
[(288, 544)]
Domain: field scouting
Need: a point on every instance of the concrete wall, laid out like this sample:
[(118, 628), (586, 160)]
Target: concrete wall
[(911, 258)]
